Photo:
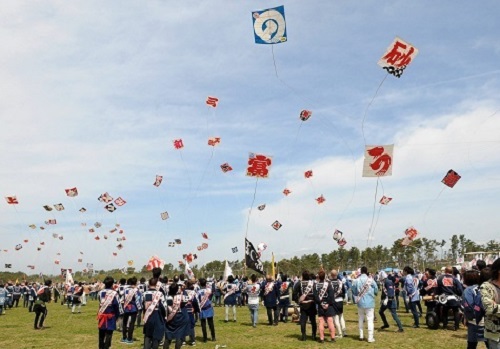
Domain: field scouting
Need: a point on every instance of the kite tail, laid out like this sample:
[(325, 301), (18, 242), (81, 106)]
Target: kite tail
[(251, 206)]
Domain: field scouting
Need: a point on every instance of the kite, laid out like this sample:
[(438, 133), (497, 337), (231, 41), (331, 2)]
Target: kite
[(276, 225), (84, 224), (286, 191), (59, 207), (120, 231), (204, 245), (188, 257), (32, 267), (55, 235), (97, 224), (385, 200), (261, 207), (320, 199), (113, 230), (178, 241), (378, 160), (115, 254), (342, 242), (97, 238), (258, 165), (269, 25), (110, 207), (12, 200), (451, 178), (80, 260), (51, 221), (121, 239), (308, 174), (18, 247), (130, 263), (234, 249), (81, 252), (8, 266), (164, 215), (26, 241), (57, 261), (158, 180), (337, 235), (252, 260), (212, 101), (105, 237), (305, 115), (71, 192), (42, 228), (82, 210), (32, 226), (213, 141), (411, 233), (262, 247), (58, 254), (90, 265), (119, 246), (199, 248), (47, 208), (38, 248), (117, 225), (91, 230), (42, 243), (225, 167), (171, 244), (61, 237), (397, 57), (120, 202), (106, 198), (204, 235), (178, 144)]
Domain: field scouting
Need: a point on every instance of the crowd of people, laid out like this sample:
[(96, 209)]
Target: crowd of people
[(168, 310)]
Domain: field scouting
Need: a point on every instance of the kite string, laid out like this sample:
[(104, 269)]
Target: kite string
[(379, 209), (370, 230), (368, 106), (424, 217), (251, 206)]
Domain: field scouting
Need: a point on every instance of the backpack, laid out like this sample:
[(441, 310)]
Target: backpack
[(473, 305)]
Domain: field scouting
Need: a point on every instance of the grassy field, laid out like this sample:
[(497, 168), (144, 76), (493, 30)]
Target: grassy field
[(64, 330)]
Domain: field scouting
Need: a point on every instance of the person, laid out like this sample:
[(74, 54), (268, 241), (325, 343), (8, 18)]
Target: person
[(155, 313), (3, 298), (10, 290), (284, 302), (142, 288), (451, 288), (412, 293), (218, 292), (177, 324), (339, 291), (25, 294), (69, 295), (490, 297), (109, 310), (131, 304), (203, 297), (270, 293), (388, 301), (244, 296), (40, 308), (253, 291), (77, 297), (429, 289), (16, 294), (473, 309), (303, 294), (121, 294), (325, 299), (364, 290), (31, 297), (192, 307), (229, 292)]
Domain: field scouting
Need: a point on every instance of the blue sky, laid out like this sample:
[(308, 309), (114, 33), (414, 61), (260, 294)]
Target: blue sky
[(94, 93)]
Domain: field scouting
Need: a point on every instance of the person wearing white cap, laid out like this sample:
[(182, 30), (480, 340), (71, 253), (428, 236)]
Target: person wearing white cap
[(388, 301)]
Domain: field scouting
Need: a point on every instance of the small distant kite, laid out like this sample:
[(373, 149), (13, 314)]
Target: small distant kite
[(212, 101), (269, 25), (225, 167), (204, 235), (258, 165), (178, 144), (451, 178), (71, 192), (82, 210), (97, 238), (50, 222), (26, 241), (385, 200), (97, 224), (199, 248), (12, 200), (287, 192), (171, 244), (130, 263), (305, 115), (61, 237), (119, 246), (276, 225), (55, 235), (59, 207), (308, 174), (261, 207), (106, 198), (204, 245), (342, 242), (56, 261), (110, 207), (120, 202), (337, 235), (213, 141), (8, 265), (320, 199), (113, 230), (80, 260), (158, 180), (164, 215), (411, 233), (91, 230), (32, 267), (178, 241), (105, 237), (115, 254), (234, 249), (262, 247), (32, 226), (378, 160), (18, 247), (397, 57), (47, 208)]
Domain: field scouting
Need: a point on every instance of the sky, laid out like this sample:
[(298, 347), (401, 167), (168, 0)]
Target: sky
[(93, 95)]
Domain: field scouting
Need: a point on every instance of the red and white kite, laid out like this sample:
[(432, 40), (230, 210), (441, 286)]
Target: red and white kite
[(258, 165), (204, 245), (342, 242), (276, 225), (397, 57), (308, 174), (59, 207), (155, 262), (71, 192), (411, 233), (451, 178), (212, 101), (337, 235), (26, 241), (385, 200), (320, 200), (120, 202), (158, 181), (115, 254), (97, 238), (305, 115), (57, 261), (225, 167), (12, 200), (106, 198), (91, 230), (204, 235), (113, 230), (213, 141), (199, 248), (378, 160), (287, 192), (261, 207), (178, 143), (50, 221)]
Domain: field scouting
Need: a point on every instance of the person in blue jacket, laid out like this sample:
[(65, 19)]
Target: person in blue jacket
[(364, 290), (388, 301), (270, 292), (109, 310), (411, 283)]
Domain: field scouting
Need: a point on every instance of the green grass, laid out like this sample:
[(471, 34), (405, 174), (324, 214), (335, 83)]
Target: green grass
[(64, 330)]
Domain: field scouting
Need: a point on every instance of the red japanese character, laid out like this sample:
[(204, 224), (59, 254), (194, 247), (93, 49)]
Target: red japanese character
[(397, 57), (258, 165), (382, 161), (178, 144), (308, 174)]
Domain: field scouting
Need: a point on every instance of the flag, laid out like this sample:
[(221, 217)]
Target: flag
[(252, 260), (69, 278), (227, 271)]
